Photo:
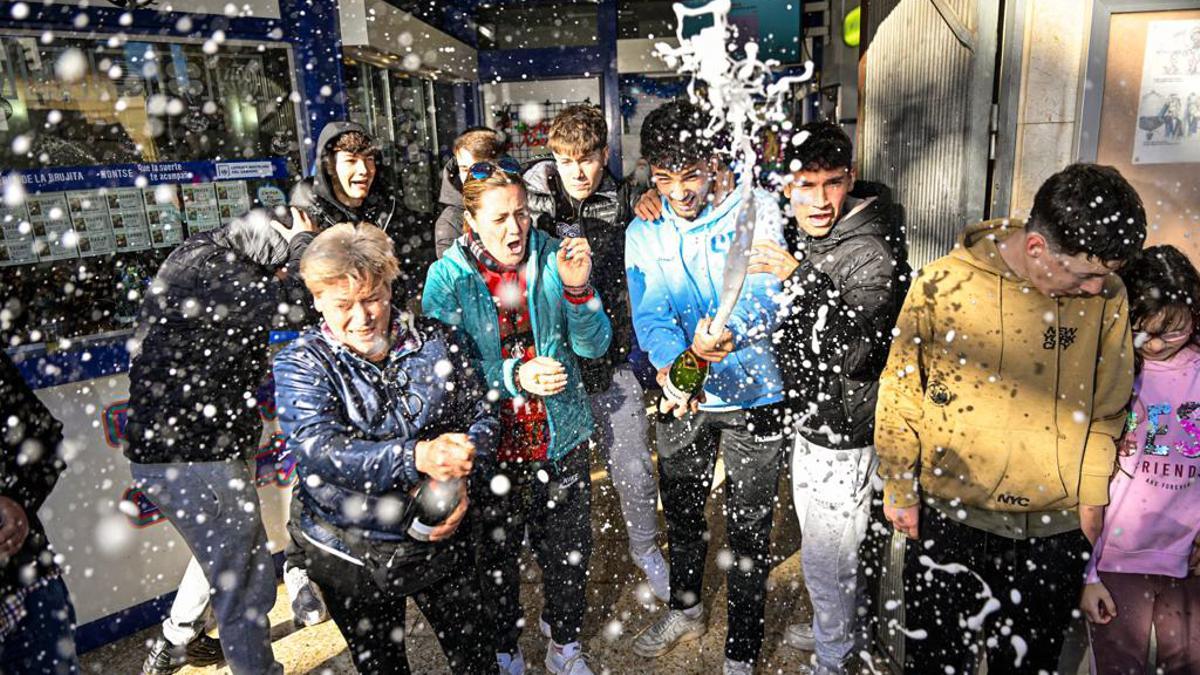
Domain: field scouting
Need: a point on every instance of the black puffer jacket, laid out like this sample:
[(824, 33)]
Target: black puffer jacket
[(29, 469), (834, 341), (201, 345), (449, 225), (317, 198), (603, 218), (316, 195)]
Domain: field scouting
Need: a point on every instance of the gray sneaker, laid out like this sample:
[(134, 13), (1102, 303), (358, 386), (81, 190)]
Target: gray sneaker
[(738, 667), (663, 635), (800, 636)]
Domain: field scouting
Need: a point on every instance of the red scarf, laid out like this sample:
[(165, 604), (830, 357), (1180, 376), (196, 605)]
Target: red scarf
[(525, 433)]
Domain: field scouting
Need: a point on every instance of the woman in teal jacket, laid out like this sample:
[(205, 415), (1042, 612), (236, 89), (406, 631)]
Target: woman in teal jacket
[(524, 300)]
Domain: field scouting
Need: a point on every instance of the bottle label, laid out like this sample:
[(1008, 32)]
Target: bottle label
[(675, 393), (420, 531)]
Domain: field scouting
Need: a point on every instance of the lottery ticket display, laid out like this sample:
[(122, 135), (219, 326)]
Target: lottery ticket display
[(200, 208), (163, 215), (53, 238), (233, 199), (16, 247)]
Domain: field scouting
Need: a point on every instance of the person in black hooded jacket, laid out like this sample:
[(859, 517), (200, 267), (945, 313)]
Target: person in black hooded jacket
[(845, 278), (200, 353), (349, 185), (37, 620), (345, 186)]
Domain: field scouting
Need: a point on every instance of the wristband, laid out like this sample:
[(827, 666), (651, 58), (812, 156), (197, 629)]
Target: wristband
[(517, 377), (578, 295)]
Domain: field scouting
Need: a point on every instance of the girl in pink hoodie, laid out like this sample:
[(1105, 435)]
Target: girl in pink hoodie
[(1143, 571)]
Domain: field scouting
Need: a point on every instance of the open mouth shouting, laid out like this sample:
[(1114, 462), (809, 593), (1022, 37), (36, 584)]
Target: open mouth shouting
[(820, 219)]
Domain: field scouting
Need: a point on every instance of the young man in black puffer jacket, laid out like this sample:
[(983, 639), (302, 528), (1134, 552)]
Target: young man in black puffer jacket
[(571, 194), (845, 278), (37, 620), (200, 354), (350, 185)]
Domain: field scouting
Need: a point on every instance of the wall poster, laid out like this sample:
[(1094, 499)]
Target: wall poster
[(1168, 117)]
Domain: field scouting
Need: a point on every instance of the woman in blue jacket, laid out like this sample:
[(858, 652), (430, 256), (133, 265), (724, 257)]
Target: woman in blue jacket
[(524, 299)]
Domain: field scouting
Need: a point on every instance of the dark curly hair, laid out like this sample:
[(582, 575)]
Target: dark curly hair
[(673, 138), (1092, 209), (1161, 279), (827, 147)]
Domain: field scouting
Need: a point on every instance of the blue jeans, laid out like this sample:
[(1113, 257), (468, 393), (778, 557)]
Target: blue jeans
[(44, 641), (214, 507)]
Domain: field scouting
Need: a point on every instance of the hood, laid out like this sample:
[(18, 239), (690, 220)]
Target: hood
[(976, 246), (451, 194), (876, 216), (322, 181), (253, 238), (873, 217)]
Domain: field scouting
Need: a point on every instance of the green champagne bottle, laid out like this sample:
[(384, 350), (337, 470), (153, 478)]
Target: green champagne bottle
[(686, 377)]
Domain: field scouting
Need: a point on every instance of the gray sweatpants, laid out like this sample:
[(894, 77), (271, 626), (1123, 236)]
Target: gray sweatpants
[(191, 608), (832, 493), (621, 434), (214, 506)]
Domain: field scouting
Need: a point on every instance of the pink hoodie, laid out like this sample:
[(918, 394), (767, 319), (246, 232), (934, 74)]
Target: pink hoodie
[(1154, 512)]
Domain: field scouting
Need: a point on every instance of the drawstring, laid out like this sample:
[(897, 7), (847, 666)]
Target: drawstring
[(1058, 350), (1000, 368)]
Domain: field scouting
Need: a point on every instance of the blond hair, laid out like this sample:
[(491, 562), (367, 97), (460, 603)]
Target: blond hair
[(475, 188), (578, 131), (361, 254)]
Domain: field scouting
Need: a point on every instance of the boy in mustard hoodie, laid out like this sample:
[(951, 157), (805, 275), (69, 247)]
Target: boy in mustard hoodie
[(996, 427)]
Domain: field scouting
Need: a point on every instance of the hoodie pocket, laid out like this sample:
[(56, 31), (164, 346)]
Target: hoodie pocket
[(996, 468), (960, 463)]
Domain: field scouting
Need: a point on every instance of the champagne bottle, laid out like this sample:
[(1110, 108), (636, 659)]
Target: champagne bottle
[(686, 377), (432, 504)]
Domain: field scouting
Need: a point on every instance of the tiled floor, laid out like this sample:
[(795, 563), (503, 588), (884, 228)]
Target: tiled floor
[(614, 616)]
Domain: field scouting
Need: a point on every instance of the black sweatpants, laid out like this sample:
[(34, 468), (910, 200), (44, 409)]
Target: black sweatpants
[(752, 441), (1036, 583), (555, 501), (372, 621)]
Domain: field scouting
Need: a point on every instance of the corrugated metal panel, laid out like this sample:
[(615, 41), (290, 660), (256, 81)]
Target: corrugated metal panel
[(926, 102)]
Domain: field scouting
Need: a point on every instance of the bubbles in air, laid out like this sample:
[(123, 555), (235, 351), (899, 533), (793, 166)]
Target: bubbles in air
[(71, 66)]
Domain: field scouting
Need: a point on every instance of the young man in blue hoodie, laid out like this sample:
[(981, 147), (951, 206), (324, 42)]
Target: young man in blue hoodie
[(675, 268)]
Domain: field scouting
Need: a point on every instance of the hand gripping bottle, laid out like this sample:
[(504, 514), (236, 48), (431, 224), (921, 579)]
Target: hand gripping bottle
[(686, 377), (432, 504)]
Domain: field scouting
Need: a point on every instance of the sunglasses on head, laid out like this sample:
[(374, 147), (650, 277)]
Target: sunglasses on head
[(482, 170)]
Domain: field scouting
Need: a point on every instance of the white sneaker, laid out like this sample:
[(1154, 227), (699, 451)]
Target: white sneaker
[(800, 636), (738, 667), (658, 573), (569, 661), (308, 605), (511, 664), (663, 635)]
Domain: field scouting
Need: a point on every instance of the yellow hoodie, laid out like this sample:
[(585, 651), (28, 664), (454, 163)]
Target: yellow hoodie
[(996, 397)]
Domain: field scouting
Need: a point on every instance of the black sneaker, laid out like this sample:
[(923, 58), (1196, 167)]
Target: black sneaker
[(165, 658)]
